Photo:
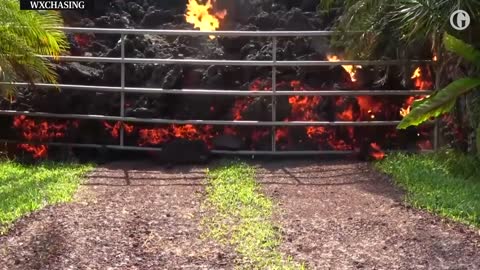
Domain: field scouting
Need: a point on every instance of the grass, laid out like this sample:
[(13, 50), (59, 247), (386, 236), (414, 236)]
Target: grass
[(446, 183), (242, 218), (26, 188)]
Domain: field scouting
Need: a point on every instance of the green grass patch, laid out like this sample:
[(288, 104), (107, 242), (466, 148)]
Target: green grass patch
[(242, 217), (26, 188), (446, 183)]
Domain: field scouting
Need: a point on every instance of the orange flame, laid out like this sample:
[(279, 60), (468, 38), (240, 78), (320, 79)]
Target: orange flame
[(203, 17), (352, 70), (421, 82)]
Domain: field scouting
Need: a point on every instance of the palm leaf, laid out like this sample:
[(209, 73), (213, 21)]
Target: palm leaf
[(440, 103), (24, 35), (461, 48)]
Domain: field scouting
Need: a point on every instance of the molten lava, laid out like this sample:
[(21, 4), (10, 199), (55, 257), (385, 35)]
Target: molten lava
[(157, 136), (376, 152), (43, 131), (114, 130), (203, 16), (348, 68)]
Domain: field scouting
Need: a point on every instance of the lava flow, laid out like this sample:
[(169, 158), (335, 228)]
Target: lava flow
[(157, 136), (43, 131), (203, 16)]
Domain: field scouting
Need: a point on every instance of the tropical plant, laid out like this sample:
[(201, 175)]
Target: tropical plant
[(395, 28), (443, 100), (25, 35), (412, 28)]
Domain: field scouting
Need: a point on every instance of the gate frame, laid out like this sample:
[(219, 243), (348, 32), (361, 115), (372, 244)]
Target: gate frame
[(274, 93)]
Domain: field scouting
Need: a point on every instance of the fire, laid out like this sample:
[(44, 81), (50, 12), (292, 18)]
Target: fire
[(348, 68), (203, 17), (422, 82), (407, 106)]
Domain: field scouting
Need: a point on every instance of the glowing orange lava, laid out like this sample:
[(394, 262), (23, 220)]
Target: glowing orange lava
[(348, 68), (37, 131), (114, 130), (203, 16), (377, 152)]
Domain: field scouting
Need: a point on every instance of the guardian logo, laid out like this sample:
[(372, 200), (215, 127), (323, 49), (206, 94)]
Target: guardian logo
[(56, 4), (460, 20)]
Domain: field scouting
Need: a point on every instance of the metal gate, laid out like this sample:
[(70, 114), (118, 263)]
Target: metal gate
[(274, 124)]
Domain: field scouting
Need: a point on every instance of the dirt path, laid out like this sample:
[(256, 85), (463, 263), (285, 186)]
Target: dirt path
[(335, 216), (342, 215), (127, 216)]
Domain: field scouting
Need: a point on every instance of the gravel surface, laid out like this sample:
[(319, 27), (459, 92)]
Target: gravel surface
[(126, 216), (334, 215), (344, 215)]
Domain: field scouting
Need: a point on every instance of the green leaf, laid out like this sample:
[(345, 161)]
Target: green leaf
[(461, 48), (440, 103)]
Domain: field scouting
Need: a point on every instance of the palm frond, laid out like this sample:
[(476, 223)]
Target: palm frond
[(25, 35)]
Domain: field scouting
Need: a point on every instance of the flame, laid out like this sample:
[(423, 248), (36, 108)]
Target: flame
[(203, 17), (422, 82), (348, 68), (435, 58)]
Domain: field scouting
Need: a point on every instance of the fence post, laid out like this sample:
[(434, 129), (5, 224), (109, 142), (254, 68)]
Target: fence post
[(274, 90), (122, 93), (438, 70)]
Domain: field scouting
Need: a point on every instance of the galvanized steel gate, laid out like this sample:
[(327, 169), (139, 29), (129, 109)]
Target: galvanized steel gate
[(272, 93)]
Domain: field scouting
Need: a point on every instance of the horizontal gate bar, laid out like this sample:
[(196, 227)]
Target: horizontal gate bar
[(200, 122), (222, 152), (202, 62), (148, 90), (167, 32)]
